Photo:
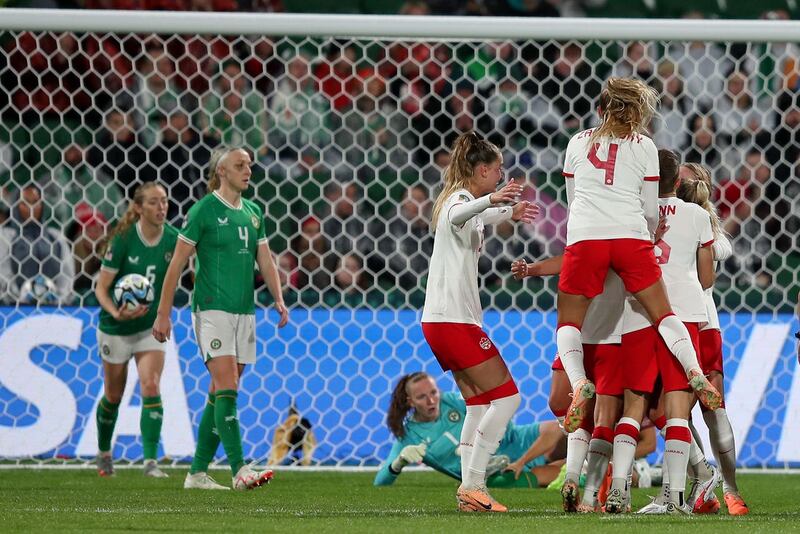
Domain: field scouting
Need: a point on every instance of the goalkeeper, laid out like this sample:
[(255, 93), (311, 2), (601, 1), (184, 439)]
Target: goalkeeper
[(430, 434)]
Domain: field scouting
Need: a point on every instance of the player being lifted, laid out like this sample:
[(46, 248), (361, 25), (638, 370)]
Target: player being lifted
[(141, 243), (452, 316), (612, 189), (227, 233)]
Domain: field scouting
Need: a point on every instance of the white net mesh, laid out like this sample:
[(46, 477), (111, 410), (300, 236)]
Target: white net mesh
[(350, 137)]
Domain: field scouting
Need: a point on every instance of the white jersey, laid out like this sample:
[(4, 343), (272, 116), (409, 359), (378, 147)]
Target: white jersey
[(451, 293), (711, 306), (603, 322), (609, 179), (634, 317), (676, 253)]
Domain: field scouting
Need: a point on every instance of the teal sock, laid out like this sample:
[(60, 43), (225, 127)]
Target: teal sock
[(227, 421), (150, 425), (207, 438), (106, 417)]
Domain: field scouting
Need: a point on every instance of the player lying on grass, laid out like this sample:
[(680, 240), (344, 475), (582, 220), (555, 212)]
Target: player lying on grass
[(428, 423)]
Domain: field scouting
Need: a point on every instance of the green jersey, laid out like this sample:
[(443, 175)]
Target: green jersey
[(442, 438), (226, 239), (130, 253)]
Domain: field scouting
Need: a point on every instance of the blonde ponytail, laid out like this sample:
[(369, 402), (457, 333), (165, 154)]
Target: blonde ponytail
[(698, 190), (468, 151), (626, 105)]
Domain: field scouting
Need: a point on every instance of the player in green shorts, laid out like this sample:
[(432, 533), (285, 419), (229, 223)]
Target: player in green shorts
[(431, 435), (227, 233), (141, 243)]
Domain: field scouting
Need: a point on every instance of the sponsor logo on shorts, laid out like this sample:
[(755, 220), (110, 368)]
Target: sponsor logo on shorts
[(485, 343), (106, 350), (216, 344), (453, 416)]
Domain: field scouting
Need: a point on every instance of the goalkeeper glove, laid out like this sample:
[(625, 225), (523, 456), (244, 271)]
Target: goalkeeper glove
[(411, 454)]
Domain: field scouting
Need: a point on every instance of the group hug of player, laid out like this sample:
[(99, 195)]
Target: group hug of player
[(638, 332)]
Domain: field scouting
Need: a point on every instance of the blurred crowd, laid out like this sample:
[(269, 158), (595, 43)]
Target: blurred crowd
[(350, 139)]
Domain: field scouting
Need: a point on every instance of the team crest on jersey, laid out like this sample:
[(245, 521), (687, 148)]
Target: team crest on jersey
[(109, 255), (106, 350), (167, 256), (485, 343), (216, 344), (464, 198), (453, 416), (255, 222)]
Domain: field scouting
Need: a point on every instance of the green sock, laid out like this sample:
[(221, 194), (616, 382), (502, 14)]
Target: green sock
[(150, 425), (207, 438), (506, 480), (106, 417), (227, 421)]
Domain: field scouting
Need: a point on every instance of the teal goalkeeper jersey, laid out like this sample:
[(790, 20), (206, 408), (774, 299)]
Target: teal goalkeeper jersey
[(226, 239), (442, 438)]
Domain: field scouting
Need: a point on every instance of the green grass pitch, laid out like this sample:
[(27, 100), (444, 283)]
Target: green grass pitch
[(79, 501)]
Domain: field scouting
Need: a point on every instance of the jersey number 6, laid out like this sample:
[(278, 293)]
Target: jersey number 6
[(607, 165)]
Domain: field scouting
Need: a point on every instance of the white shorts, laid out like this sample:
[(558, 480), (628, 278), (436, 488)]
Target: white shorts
[(120, 349), (221, 333)]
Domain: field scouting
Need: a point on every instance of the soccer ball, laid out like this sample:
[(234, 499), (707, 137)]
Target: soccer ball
[(38, 290), (132, 290)]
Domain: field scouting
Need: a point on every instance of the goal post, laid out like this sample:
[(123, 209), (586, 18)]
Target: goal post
[(349, 119)]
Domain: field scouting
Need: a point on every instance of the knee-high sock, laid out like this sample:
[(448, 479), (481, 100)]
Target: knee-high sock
[(723, 446), (676, 457), (226, 419), (577, 448), (207, 438), (106, 417), (150, 425), (475, 413), (698, 467), (679, 342), (626, 436), (487, 438), (600, 450), (570, 350)]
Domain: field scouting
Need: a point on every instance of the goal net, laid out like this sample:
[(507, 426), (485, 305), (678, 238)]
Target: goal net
[(350, 135)]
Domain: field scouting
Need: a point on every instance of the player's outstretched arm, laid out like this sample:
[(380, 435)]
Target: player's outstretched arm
[(549, 435), (163, 324), (385, 475), (547, 267), (266, 264), (461, 213)]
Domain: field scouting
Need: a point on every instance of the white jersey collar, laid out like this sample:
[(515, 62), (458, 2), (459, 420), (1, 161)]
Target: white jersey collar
[(144, 240), (228, 204)]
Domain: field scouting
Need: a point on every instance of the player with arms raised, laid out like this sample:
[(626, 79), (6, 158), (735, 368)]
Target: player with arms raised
[(452, 315), (612, 189), (141, 243), (227, 233)]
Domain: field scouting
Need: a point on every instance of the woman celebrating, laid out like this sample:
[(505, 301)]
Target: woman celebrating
[(141, 243), (227, 233), (612, 178), (452, 317)]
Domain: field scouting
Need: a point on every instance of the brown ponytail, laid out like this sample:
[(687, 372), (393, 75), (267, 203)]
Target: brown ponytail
[(130, 217), (669, 167), (698, 190), (468, 151), (626, 107), (399, 406)]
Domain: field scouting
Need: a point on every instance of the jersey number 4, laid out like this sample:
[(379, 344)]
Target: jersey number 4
[(607, 165)]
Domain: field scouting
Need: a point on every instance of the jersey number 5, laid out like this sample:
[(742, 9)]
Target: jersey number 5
[(607, 165)]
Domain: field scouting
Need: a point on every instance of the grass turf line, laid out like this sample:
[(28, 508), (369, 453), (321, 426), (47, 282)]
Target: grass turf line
[(80, 501)]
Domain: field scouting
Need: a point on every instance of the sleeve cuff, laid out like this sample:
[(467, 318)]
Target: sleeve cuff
[(186, 239), (652, 178), (262, 241), (707, 244), (568, 174), (108, 269)]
